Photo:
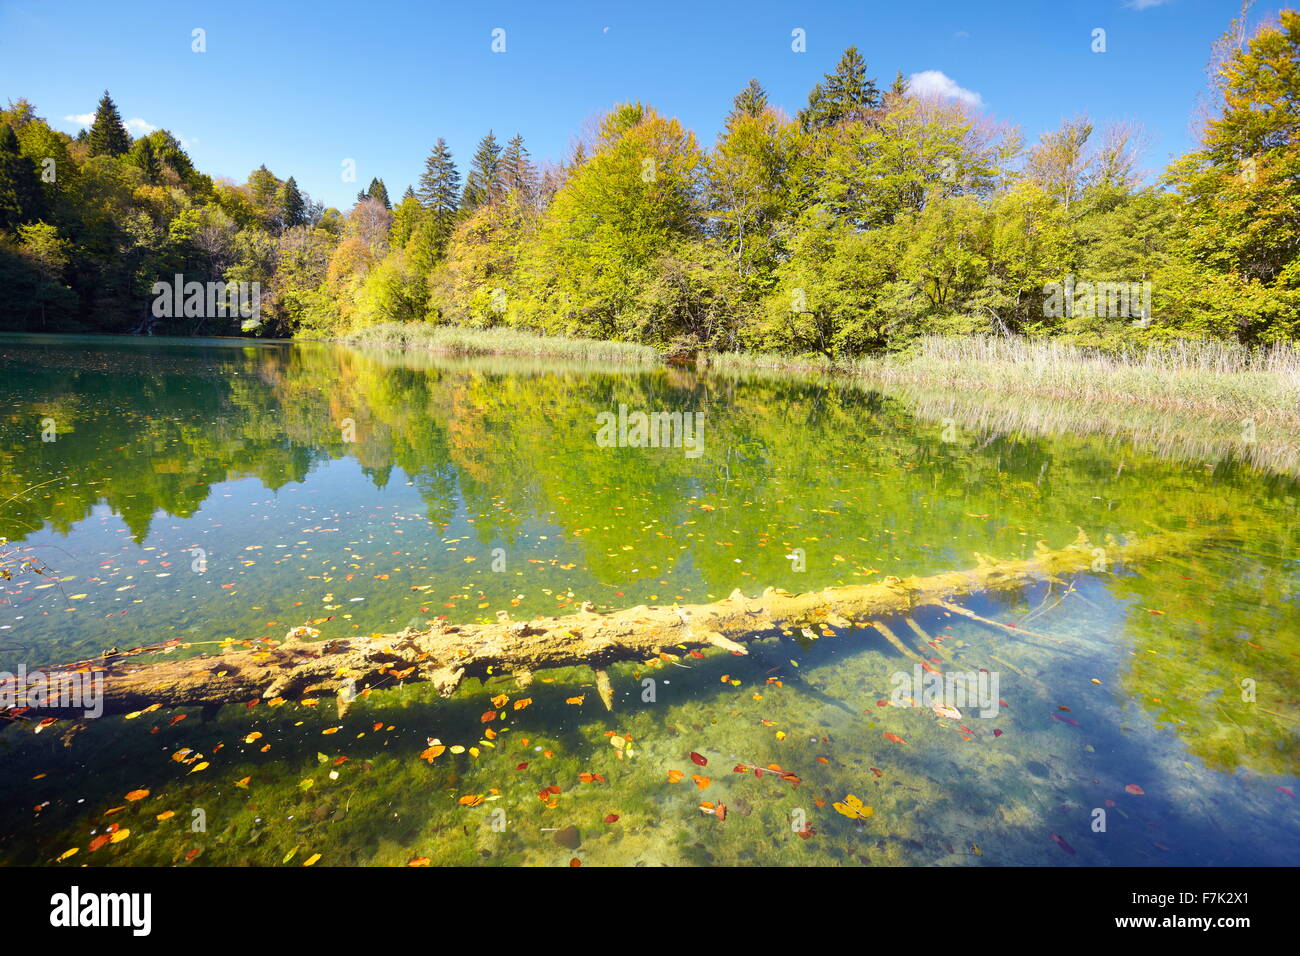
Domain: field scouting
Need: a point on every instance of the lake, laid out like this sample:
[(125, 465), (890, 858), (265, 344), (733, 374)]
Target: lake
[(219, 492)]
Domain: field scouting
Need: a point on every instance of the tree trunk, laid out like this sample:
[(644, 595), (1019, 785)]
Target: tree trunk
[(446, 655)]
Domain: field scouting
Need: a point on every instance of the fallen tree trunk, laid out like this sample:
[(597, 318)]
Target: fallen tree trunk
[(447, 655)]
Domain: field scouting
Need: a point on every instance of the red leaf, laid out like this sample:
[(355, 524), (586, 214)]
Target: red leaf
[(1063, 845), (701, 760)]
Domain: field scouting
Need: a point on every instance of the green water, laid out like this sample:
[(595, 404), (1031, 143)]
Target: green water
[(215, 491)]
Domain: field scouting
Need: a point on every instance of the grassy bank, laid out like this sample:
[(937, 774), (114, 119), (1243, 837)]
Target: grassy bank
[(1200, 375), (456, 340)]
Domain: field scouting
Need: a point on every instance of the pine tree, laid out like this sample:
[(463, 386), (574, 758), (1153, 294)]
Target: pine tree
[(144, 156), (517, 170), (483, 183), (900, 85), (751, 101), (293, 208), (440, 182), (377, 190), (21, 199), (439, 195), (107, 134), (845, 93), (265, 189)]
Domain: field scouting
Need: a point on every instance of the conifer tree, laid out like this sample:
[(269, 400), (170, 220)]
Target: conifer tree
[(144, 156), (751, 101), (377, 190), (517, 170), (439, 195), (843, 94), (440, 181), (483, 182), (108, 137), (293, 208)]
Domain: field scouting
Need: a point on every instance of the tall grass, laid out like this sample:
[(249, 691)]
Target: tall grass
[(1193, 374)]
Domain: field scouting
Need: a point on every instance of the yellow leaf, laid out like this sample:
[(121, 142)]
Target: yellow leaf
[(311, 859)]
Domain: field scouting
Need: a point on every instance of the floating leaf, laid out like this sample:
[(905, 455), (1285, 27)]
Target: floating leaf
[(1063, 845), (137, 795), (853, 808)]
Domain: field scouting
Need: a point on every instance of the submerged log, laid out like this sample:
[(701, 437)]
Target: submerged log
[(448, 654)]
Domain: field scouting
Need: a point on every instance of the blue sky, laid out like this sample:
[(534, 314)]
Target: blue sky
[(302, 87)]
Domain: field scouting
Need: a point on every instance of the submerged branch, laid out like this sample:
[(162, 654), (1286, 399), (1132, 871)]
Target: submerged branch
[(448, 654)]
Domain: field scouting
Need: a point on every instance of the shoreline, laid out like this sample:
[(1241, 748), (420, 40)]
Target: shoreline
[(1185, 376)]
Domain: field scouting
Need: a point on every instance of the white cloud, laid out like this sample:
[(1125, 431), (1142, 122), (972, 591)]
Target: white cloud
[(936, 83), (1146, 4), (81, 119)]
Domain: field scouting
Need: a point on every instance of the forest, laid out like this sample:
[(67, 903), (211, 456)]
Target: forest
[(870, 218)]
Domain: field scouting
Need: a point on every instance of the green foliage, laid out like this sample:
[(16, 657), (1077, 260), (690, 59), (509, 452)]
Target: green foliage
[(867, 221), (21, 198)]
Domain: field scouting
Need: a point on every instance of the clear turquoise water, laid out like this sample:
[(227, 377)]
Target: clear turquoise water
[(240, 450)]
